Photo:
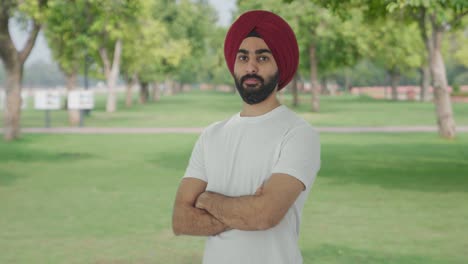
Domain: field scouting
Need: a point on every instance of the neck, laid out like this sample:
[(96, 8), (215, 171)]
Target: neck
[(261, 108)]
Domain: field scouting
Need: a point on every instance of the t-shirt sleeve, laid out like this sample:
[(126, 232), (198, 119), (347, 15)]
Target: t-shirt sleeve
[(196, 165), (300, 155)]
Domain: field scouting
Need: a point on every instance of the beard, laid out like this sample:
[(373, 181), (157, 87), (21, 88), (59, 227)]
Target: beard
[(251, 94)]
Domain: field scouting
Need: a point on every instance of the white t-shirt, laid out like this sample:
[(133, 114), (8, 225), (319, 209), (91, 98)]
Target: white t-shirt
[(238, 155)]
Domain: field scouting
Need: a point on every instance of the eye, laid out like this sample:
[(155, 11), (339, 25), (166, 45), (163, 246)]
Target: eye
[(263, 58), (242, 58)]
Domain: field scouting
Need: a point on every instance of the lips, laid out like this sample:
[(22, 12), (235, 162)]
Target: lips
[(251, 81)]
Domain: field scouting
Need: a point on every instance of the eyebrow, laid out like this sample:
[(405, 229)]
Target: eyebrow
[(259, 51)]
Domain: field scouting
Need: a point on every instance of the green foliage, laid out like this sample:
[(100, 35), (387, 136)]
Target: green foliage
[(445, 12), (217, 72), (196, 23), (75, 31), (67, 33), (367, 73), (461, 79), (454, 52), (149, 50), (456, 46), (30, 9), (337, 42), (112, 19), (395, 46)]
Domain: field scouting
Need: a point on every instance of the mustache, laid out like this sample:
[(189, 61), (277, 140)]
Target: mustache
[(251, 76)]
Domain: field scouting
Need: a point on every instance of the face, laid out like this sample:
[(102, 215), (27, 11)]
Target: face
[(255, 71)]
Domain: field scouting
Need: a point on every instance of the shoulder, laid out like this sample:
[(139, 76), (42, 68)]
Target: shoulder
[(216, 127), (298, 126)]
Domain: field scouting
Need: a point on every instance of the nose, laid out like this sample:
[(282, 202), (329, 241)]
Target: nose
[(252, 66)]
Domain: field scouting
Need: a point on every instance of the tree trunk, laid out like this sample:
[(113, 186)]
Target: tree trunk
[(12, 111), (144, 92), (129, 90), (425, 69), (315, 88), (325, 88), (294, 90), (177, 87), (73, 114), (156, 92), (13, 61), (169, 87), (112, 73), (348, 81), (425, 82), (442, 101), (394, 82)]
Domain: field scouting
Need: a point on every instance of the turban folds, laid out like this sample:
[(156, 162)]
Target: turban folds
[(276, 33)]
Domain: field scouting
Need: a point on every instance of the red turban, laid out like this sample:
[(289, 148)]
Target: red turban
[(276, 33)]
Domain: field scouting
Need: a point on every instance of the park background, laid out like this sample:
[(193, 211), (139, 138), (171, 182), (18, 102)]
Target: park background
[(102, 191)]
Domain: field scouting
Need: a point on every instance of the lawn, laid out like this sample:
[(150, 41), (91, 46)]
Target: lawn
[(379, 198), (207, 107)]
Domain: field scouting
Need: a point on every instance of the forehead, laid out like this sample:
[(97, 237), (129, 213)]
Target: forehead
[(253, 43)]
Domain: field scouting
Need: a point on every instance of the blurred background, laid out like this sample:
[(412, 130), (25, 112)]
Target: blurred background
[(399, 51), (103, 101)]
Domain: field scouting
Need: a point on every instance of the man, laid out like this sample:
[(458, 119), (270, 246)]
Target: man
[(249, 176)]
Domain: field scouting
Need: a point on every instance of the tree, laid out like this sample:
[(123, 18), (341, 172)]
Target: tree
[(109, 23), (455, 53), (436, 17), (68, 37), (144, 50), (194, 21), (216, 70), (150, 52), (441, 15), (13, 59), (395, 47)]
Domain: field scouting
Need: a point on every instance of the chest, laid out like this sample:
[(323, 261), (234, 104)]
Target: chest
[(239, 161)]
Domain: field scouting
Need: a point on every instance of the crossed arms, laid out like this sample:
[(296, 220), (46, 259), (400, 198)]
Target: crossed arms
[(201, 213)]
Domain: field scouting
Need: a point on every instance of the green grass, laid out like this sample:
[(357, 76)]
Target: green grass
[(199, 109), (379, 198)]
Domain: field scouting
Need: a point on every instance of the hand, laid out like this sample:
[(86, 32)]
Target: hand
[(259, 191), (202, 201)]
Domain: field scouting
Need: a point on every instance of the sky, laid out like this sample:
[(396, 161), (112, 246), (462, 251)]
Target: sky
[(41, 51), (225, 9)]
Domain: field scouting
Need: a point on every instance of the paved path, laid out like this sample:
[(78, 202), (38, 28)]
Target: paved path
[(196, 130)]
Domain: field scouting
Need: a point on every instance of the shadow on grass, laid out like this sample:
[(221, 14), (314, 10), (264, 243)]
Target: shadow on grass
[(174, 160), (337, 254), (419, 167), (20, 151), (8, 178), (31, 155), (25, 155)]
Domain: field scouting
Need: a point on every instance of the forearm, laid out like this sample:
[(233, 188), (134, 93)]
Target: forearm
[(243, 213), (188, 220)]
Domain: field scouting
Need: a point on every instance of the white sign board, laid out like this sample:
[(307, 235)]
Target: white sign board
[(80, 100), (24, 100), (3, 100), (47, 100)]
